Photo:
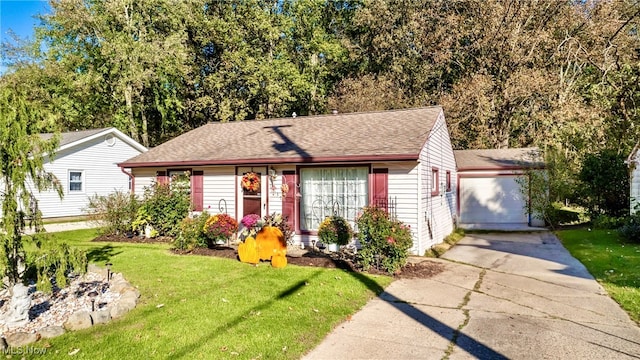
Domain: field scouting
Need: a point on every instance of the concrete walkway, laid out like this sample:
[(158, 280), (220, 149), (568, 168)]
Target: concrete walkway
[(516, 296), (57, 227)]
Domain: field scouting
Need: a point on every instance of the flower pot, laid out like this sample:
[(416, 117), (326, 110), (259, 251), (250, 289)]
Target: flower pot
[(332, 247)]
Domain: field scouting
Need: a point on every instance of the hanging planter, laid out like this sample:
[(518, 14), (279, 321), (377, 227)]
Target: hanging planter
[(250, 182)]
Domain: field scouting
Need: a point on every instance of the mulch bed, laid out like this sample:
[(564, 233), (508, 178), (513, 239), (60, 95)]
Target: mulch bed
[(414, 269)]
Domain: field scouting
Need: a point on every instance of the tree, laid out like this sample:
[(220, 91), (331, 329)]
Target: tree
[(605, 183), (21, 171)]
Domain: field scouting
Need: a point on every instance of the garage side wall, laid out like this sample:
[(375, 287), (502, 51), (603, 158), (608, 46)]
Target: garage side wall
[(635, 186), (437, 204)]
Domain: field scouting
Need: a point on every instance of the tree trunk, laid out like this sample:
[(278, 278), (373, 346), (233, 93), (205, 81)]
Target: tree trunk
[(145, 131), (133, 129)]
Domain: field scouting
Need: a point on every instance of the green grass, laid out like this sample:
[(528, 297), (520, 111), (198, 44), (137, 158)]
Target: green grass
[(197, 307), (614, 263)]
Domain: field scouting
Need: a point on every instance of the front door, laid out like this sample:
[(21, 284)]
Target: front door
[(252, 201)]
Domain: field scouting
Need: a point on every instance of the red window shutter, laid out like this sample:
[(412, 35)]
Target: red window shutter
[(161, 177), (379, 195), (197, 190), (289, 202)]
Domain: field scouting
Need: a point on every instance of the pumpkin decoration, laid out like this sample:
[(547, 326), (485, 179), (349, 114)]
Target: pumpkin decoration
[(248, 251), (250, 182), (270, 240), (279, 260)]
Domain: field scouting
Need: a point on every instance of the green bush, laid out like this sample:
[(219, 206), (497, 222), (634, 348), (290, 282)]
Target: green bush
[(191, 233), (608, 222), (56, 261), (385, 241), (114, 212), (164, 206), (630, 230), (335, 230)]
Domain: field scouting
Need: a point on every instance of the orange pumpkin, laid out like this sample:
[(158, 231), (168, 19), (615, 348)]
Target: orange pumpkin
[(248, 251), (270, 240), (279, 260)]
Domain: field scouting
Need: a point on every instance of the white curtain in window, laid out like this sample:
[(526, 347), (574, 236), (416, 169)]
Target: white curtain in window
[(327, 191)]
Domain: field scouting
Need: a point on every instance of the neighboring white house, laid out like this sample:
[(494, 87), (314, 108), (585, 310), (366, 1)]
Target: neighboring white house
[(85, 163), (401, 160), (489, 195)]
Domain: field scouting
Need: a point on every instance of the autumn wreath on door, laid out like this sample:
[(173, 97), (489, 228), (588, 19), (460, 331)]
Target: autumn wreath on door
[(250, 182)]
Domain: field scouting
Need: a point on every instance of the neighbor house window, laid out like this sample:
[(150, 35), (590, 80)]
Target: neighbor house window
[(448, 181), (435, 178), (327, 191), (75, 181)]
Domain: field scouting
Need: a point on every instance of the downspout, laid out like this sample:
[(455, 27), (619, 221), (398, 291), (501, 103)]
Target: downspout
[(133, 179)]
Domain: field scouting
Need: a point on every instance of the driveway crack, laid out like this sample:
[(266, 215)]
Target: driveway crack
[(465, 312)]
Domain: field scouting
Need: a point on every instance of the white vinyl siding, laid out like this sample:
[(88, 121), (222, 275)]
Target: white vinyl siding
[(97, 161), (219, 190), (635, 185), (437, 214)]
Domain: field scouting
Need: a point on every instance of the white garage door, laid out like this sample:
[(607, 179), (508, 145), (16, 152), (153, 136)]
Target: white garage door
[(491, 200)]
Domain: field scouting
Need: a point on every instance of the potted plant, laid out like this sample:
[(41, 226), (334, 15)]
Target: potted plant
[(219, 228), (334, 231)]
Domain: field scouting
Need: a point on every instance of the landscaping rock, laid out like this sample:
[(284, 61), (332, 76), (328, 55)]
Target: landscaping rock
[(101, 316), (21, 339), (118, 311), (78, 320), (51, 332), (120, 286)]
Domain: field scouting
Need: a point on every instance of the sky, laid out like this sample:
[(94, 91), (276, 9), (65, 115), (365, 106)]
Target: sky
[(17, 15)]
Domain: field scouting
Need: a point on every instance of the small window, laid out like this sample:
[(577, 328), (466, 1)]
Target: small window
[(75, 181), (435, 178), (448, 181)]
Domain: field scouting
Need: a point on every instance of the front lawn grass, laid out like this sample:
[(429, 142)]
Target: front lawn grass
[(197, 307), (614, 263)]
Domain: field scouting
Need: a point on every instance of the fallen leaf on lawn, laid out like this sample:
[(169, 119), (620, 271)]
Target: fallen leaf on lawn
[(316, 310), (234, 353), (349, 318), (183, 300), (338, 278), (284, 349), (159, 306), (73, 352), (224, 348), (225, 300)]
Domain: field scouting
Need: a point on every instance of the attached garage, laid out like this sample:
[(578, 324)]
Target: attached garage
[(488, 190)]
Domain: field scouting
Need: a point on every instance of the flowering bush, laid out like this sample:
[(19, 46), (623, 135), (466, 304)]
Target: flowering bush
[(385, 241), (252, 224), (191, 233), (335, 230), (250, 182), (220, 227)]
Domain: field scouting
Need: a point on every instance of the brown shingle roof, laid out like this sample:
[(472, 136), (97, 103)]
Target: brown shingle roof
[(387, 135), (490, 159)]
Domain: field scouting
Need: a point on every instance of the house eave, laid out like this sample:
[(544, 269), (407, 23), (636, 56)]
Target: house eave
[(500, 168), (273, 161)]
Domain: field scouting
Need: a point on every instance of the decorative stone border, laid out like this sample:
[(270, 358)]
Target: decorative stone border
[(82, 319)]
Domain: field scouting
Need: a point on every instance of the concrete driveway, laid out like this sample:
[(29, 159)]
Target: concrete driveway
[(516, 296)]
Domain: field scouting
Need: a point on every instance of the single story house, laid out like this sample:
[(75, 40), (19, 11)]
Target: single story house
[(85, 163), (315, 166), (489, 195)]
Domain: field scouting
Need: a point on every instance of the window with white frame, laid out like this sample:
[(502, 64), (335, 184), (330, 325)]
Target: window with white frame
[(75, 180), (327, 191)]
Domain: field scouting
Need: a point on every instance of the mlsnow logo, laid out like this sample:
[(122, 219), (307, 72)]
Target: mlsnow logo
[(24, 350)]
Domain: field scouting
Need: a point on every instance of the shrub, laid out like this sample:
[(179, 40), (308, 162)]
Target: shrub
[(385, 242), (630, 231), (219, 227), (335, 230), (252, 223), (281, 223), (164, 206), (56, 261), (607, 222), (114, 213), (191, 233)]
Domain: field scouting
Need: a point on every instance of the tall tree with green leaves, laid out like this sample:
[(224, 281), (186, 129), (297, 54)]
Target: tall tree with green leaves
[(22, 154)]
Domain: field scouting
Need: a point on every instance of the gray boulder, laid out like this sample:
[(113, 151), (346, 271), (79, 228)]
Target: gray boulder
[(78, 320), (19, 339), (51, 332), (101, 316)]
